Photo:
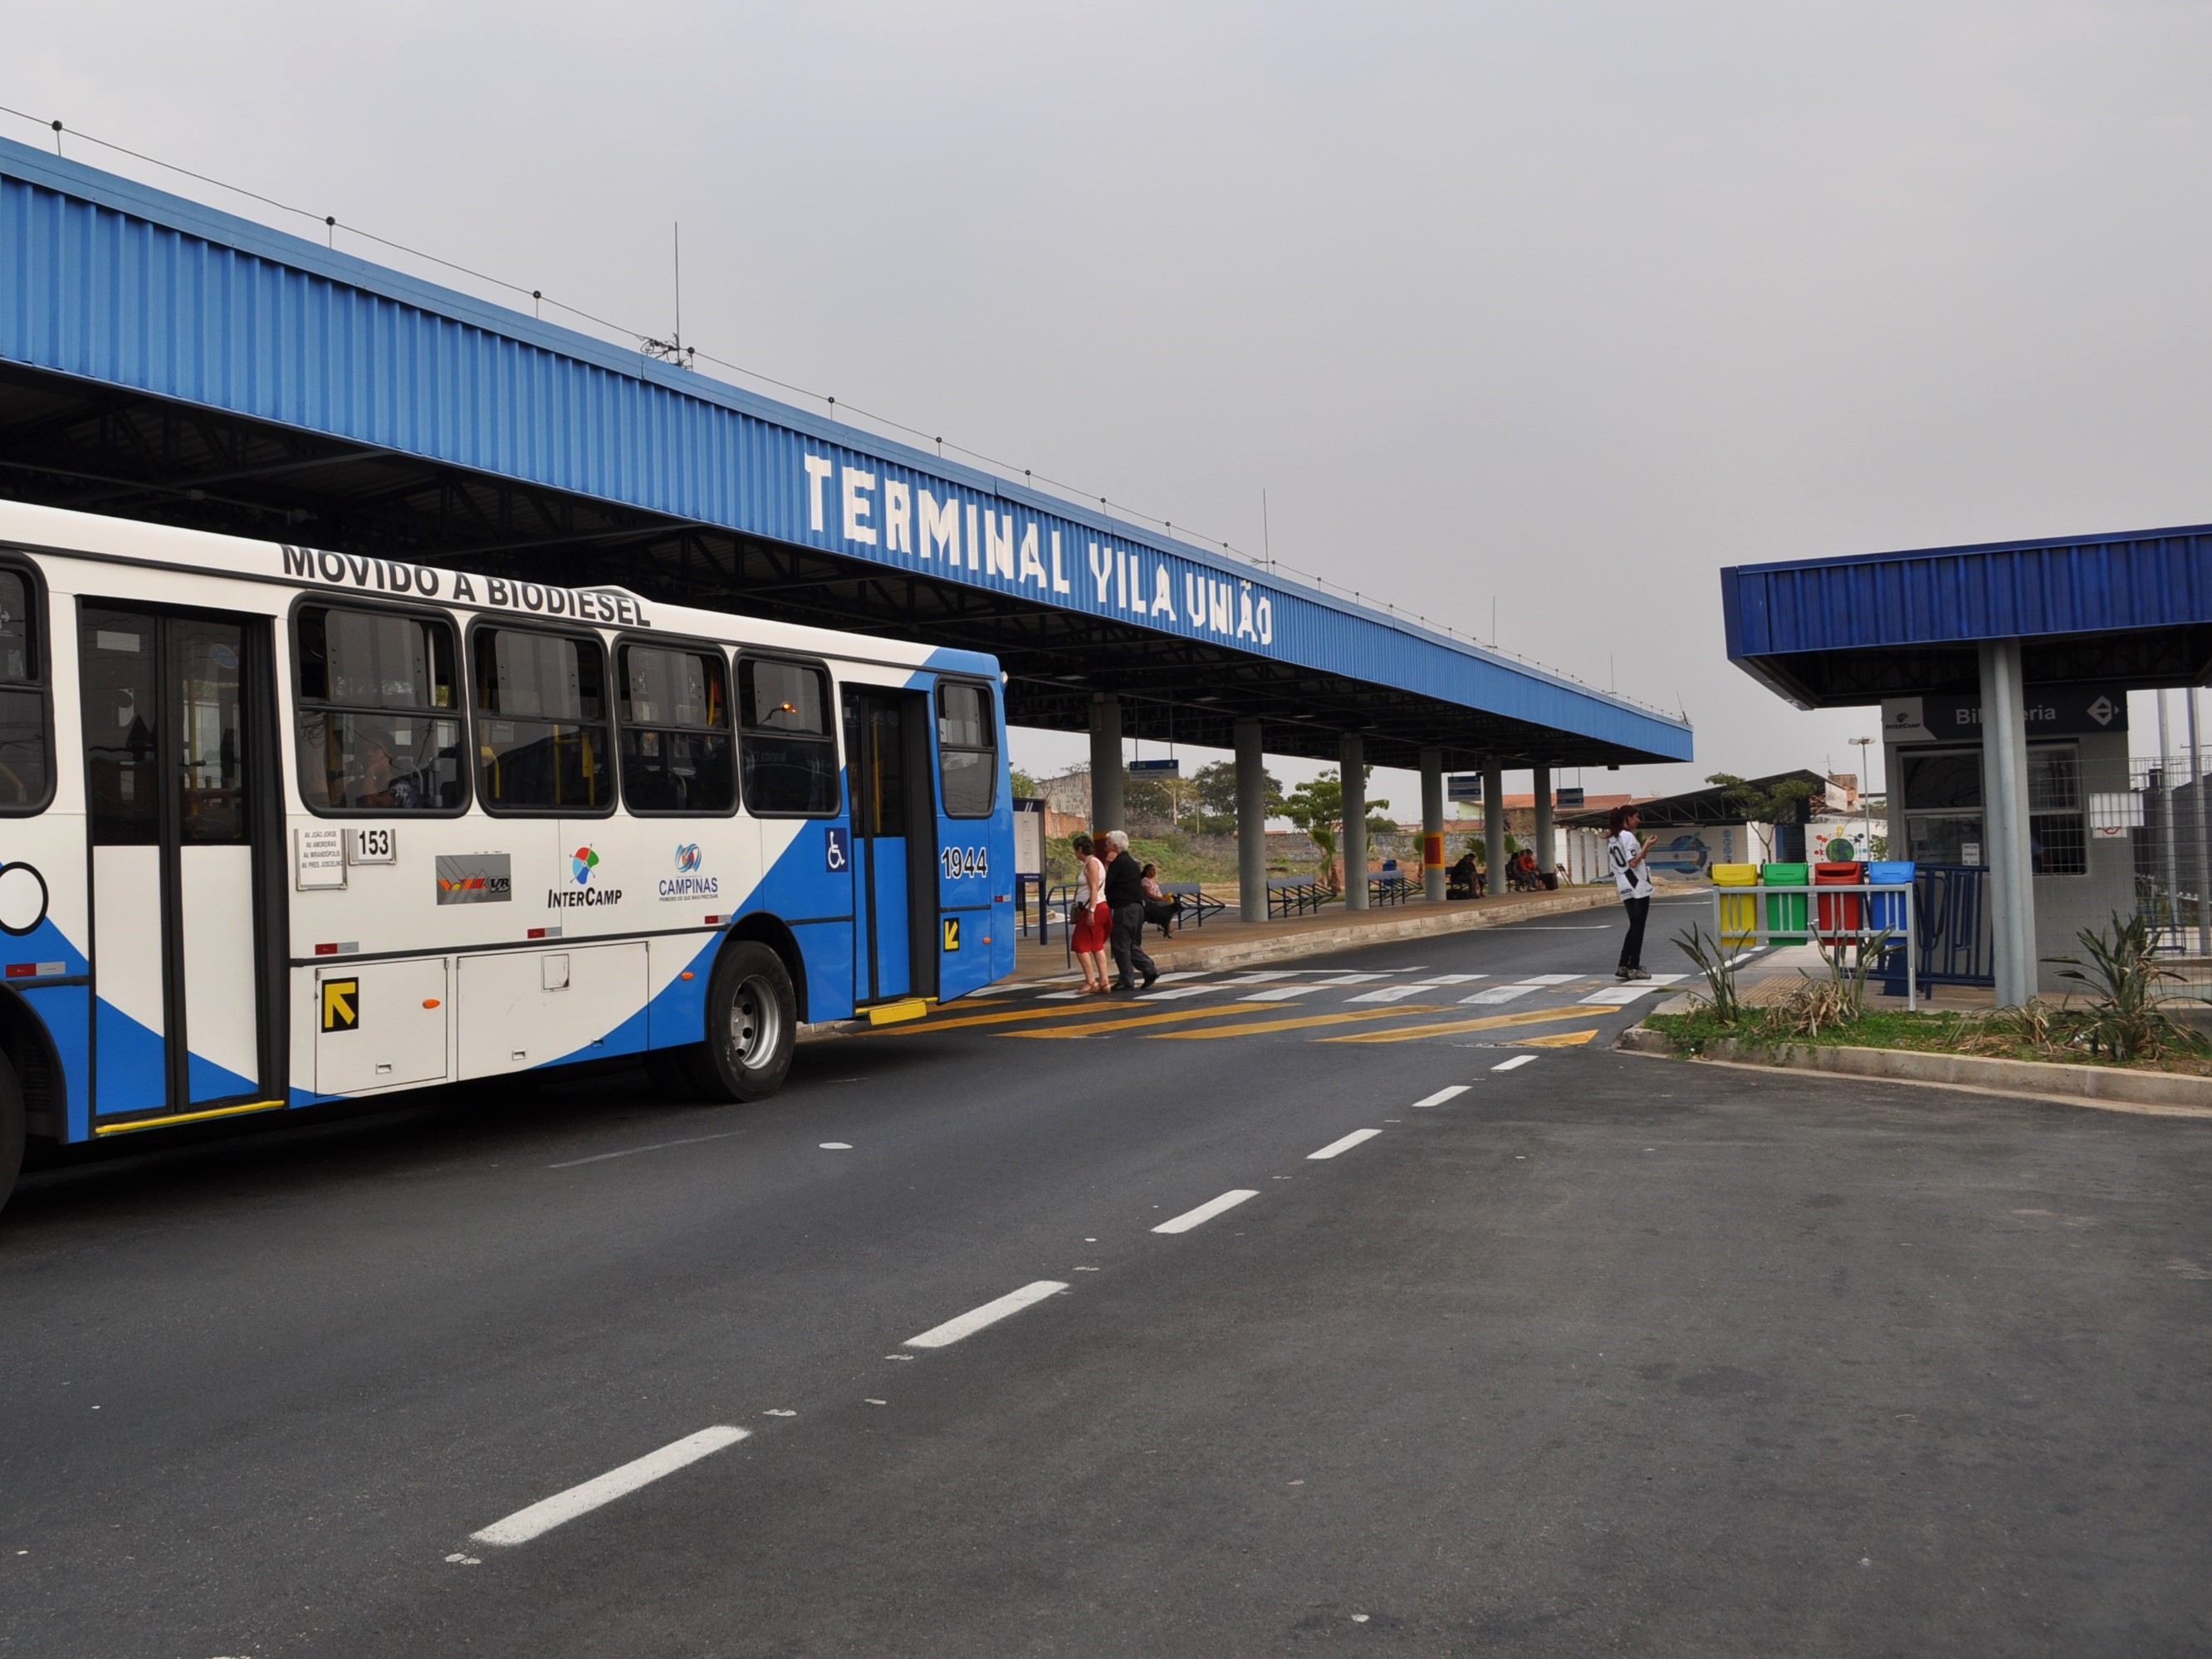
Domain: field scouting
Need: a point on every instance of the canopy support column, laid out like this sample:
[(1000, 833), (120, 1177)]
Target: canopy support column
[(1251, 824), (1493, 821), (1540, 779), (2004, 796), (1106, 772), (1432, 825), (1352, 766)]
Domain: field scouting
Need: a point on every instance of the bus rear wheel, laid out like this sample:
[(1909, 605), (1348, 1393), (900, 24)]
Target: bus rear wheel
[(752, 1026)]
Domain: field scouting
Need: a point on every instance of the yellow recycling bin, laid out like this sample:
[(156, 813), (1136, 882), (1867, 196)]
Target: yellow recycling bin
[(1739, 916)]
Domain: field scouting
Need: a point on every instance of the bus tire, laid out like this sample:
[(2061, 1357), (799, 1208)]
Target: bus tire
[(11, 1129), (752, 1025)]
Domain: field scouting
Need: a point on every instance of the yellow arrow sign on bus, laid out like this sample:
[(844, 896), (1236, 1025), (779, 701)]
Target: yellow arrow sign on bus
[(341, 1005)]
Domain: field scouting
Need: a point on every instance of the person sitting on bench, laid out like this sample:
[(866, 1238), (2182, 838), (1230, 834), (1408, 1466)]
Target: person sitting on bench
[(1464, 880), (1160, 909)]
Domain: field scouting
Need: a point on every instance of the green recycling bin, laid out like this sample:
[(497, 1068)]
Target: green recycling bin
[(1785, 911)]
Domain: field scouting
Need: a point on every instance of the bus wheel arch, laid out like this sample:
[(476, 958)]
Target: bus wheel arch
[(756, 998), (765, 929)]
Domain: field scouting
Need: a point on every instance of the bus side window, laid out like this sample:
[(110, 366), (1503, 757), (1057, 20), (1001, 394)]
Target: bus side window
[(675, 751), (25, 776), (380, 730), (542, 722), (967, 749), (788, 756)]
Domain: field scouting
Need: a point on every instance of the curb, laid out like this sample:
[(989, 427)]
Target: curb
[(2161, 1093)]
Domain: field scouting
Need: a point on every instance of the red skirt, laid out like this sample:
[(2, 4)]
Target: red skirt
[(1095, 932)]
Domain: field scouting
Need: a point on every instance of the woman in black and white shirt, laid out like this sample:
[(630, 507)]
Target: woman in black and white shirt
[(1626, 852)]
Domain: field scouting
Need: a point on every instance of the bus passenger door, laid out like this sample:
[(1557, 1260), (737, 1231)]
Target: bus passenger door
[(886, 739), (173, 772)]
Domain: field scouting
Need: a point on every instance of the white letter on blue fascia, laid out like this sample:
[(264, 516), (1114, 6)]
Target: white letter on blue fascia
[(1031, 565), (998, 550), (818, 474), (974, 551), (1220, 603), (858, 506), (1059, 583), (940, 527), (1163, 594), (897, 520)]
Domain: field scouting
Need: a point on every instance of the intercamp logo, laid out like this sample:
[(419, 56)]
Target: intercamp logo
[(581, 863)]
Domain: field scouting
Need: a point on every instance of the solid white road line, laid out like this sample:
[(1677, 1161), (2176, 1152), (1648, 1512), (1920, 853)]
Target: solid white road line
[(1385, 993), (632, 1151), (543, 1517), (1344, 1144), (1205, 1211), (945, 1335), (1442, 1094), (1514, 1064)]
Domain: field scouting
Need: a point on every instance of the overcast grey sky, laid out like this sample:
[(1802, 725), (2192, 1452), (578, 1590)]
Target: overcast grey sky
[(1569, 305)]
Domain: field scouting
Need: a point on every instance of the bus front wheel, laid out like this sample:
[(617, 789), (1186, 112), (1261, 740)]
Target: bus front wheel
[(753, 1025)]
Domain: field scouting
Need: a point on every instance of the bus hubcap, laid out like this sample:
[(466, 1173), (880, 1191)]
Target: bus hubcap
[(755, 1023)]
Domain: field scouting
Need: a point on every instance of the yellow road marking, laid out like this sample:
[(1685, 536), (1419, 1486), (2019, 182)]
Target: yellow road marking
[(1105, 1006), (1173, 1016), (1256, 1028), (1557, 1040), (1453, 1027)]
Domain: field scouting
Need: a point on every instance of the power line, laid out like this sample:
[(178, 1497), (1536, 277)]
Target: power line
[(649, 346)]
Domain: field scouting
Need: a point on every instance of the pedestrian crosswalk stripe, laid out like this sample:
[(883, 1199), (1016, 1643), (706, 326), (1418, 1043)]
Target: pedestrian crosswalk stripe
[(1456, 1027), (1617, 996), (1284, 992), (1557, 1040), (1261, 1028), (1386, 994), (1497, 994), (1091, 1027)]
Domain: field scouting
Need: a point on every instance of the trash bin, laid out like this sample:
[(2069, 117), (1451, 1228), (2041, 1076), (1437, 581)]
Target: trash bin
[(1739, 916), (1887, 910), (1785, 912), (1836, 918)]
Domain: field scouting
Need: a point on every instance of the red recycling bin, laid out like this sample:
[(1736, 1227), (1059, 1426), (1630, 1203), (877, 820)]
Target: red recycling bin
[(1837, 914)]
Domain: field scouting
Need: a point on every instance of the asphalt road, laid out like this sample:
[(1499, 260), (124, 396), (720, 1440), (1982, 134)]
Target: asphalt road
[(1602, 1353)]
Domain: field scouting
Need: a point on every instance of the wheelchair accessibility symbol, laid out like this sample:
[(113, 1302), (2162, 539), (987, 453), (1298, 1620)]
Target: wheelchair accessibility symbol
[(835, 853)]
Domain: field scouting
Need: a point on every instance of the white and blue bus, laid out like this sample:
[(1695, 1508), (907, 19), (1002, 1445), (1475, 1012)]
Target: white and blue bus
[(281, 826)]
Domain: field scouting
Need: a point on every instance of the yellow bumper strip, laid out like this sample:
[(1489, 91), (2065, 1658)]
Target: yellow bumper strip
[(175, 1118), (895, 1013)]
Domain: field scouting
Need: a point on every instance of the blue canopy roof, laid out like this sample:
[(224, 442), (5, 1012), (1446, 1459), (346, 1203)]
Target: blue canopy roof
[(2133, 609), (162, 359)]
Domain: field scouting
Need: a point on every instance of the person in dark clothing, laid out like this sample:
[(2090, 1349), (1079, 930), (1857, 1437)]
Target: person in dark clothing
[(1125, 898)]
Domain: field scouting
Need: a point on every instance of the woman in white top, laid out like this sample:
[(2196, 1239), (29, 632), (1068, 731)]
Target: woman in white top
[(1626, 854), (1093, 927)]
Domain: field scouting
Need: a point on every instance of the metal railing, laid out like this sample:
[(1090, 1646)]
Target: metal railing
[(1774, 915)]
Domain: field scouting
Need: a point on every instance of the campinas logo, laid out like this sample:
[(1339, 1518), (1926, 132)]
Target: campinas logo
[(582, 864), (687, 883)]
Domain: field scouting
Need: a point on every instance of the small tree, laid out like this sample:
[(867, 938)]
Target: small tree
[(1214, 790), (1317, 807), (1788, 802), (1025, 787)]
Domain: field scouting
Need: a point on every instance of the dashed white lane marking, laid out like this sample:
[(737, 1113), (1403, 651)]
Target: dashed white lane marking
[(1347, 1143), (1514, 1064), (632, 1151), (1205, 1211), (836, 1146), (547, 1513), (945, 1335), (1442, 1094), (1501, 993), (1385, 993)]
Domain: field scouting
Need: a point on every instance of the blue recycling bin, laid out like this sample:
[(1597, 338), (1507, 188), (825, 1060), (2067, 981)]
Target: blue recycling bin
[(1887, 910)]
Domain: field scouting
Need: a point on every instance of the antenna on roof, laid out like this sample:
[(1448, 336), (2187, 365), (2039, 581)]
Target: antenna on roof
[(672, 349)]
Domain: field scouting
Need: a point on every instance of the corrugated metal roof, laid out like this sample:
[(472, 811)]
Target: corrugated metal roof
[(1786, 620), (111, 281)]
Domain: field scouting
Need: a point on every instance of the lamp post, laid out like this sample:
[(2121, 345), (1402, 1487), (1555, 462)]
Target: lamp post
[(1866, 790)]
